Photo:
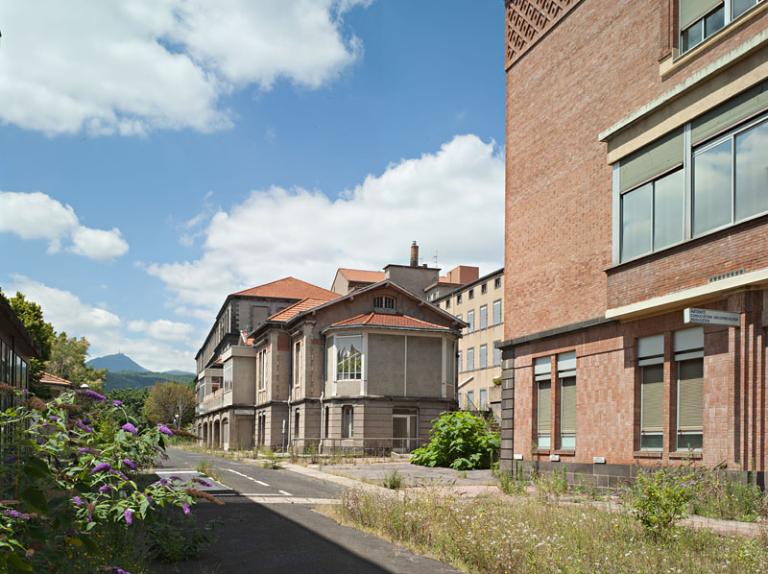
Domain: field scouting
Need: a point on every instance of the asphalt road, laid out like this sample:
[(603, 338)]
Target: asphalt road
[(268, 525)]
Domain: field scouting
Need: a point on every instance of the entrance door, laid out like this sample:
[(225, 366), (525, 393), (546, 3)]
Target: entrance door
[(403, 433)]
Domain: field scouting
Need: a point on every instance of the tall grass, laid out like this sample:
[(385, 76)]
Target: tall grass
[(492, 536)]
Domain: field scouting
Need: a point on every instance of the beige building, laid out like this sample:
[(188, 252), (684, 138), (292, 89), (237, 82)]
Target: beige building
[(479, 304)]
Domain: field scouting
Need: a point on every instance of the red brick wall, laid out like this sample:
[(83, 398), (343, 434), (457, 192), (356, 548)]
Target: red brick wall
[(600, 63)]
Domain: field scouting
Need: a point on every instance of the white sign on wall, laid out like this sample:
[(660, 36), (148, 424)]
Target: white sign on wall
[(710, 317)]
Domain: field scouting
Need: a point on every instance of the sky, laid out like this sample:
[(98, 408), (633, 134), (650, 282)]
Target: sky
[(156, 155)]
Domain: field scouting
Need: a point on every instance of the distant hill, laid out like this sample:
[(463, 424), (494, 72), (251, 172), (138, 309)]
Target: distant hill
[(125, 373), (118, 363)]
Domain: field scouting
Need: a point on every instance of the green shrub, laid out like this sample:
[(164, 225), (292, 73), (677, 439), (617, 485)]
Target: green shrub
[(459, 440), (658, 499), (393, 480), (717, 496), (178, 538)]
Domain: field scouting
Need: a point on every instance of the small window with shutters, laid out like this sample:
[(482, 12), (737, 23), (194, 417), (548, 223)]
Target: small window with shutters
[(650, 353), (689, 366), (566, 379), (542, 372)]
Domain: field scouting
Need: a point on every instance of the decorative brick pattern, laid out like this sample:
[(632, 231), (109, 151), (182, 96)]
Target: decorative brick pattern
[(529, 20)]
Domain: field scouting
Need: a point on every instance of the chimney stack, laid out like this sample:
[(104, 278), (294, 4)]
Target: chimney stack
[(414, 254)]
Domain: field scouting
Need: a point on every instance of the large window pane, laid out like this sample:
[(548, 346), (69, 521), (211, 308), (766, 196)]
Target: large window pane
[(752, 171), (668, 210), (349, 357), (740, 6), (712, 188), (637, 222), (714, 22), (693, 35)]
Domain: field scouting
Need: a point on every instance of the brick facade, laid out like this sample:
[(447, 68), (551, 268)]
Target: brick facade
[(603, 61)]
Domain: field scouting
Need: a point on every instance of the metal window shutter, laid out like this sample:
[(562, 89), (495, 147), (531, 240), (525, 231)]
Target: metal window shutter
[(692, 10), (652, 160), (568, 405), (730, 113), (690, 395), (544, 407), (652, 399)]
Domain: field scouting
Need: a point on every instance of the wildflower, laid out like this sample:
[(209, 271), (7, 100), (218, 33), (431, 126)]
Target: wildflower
[(128, 427), (201, 482), (53, 418), (10, 513), (101, 467), (129, 463), (117, 403), (128, 515), (77, 500), (118, 570), (119, 474), (91, 394), (82, 426), (165, 430), (105, 488), (185, 507)]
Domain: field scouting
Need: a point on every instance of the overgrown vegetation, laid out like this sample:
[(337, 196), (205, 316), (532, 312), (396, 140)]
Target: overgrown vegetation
[(170, 402), (392, 480), (205, 467), (459, 440), (492, 536), (659, 499)]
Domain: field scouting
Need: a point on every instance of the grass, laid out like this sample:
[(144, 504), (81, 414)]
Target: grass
[(491, 535), (205, 467), (393, 480)]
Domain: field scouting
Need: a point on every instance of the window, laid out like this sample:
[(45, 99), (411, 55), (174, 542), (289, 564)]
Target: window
[(700, 19), (458, 299), (459, 362), (261, 369), (497, 283), (327, 422), (483, 399), (542, 372), (483, 356), (470, 401), (296, 425), (349, 357), (566, 379), (650, 361), (448, 303), (470, 320), (689, 366), (347, 421), (730, 179), (471, 359), (661, 199), (484, 288), (228, 372), (497, 312), (471, 293), (384, 303), (297, 364), (496, 354), (484, 317)]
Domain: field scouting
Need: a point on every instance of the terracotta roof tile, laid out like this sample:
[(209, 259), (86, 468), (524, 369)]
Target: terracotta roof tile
[(50, 379), (361, 275), (304, 305), (288, 288), (389, 320)]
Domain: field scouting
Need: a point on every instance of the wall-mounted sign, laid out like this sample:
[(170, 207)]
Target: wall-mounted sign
[(710, 317)]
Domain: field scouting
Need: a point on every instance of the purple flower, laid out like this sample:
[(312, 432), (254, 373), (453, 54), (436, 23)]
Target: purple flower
[(185, 507), (91, 394), (101, 467), (105, 488), (77, 500), (87, 450), (129, 463), (128, 515), (117, 403), (175, 478), (16, 514), (82, 426), (53, 418), (120, 474), (118, 570), (200, 481), (128, 427), (165, 430)]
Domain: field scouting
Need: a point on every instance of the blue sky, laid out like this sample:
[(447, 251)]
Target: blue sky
[(159, 161)]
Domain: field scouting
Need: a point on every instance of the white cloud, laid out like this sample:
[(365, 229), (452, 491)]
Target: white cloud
[(163, 330), (451, 201), (39, 216), (132, 67), (104, 329)]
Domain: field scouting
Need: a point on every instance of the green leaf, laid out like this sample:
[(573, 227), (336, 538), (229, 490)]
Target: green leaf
[(35, 499), (18, 564)]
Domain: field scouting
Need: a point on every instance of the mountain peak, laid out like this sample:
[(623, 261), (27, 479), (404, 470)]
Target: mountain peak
[(116, 363)]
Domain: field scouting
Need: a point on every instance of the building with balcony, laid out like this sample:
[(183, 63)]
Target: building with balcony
[(478, 303), (637, 188)]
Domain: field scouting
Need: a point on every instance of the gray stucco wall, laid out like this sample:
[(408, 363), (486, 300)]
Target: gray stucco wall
[(386, 364), (425, 355)]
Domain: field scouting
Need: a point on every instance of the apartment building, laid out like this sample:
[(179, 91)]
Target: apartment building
[(478, 303), (637, 230)]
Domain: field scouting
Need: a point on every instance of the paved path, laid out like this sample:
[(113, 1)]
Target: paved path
[(268, 525)]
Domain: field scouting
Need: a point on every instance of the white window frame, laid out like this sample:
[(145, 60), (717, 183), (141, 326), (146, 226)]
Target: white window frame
[(342, 376)]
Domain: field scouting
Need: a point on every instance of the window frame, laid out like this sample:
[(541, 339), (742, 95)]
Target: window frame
[(470, 354), (728, 19), (339, 373), (483, 356), (481, 325), (347, 421), (385, 303), (471, 321)]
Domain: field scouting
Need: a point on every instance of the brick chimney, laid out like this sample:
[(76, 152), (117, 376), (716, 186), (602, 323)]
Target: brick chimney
[(414, 254)]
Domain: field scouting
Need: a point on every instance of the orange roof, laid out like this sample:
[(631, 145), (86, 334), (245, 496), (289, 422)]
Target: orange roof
[(361, 275), (389, 320), (288, 288), (49, 379), (304, 305)]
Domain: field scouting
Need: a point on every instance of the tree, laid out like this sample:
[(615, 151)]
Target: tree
[(42, 333), (133, 401), (67, 360), (166, 400)]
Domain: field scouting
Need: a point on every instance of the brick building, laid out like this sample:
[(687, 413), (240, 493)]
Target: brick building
[(637, 187)]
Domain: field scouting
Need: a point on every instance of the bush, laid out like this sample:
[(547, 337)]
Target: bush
[(658, 499), (459, 440), (393, 480)]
